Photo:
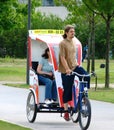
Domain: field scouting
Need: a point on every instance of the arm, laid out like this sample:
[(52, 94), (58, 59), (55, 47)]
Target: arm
[(64, 63), (39, 70), (62, 53)]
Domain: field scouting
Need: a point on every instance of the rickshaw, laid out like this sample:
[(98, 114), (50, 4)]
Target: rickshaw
[(79, 107)]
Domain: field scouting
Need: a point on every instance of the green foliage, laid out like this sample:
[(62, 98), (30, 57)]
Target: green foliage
[(100, 39), (13, 37), (14, 43), (106, 11), (13, 27), (102, 6), (112, 38), (11, 15), (46, 22), (100, 42)]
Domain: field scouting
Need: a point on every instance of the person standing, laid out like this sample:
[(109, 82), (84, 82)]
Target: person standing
[(85, 52), (67, 64)]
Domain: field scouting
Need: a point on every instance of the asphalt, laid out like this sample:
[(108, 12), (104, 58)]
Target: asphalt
[(13, 109)]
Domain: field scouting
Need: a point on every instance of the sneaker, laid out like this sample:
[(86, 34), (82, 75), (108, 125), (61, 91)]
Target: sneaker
[(52, 101), (47, 101), (66, 116)]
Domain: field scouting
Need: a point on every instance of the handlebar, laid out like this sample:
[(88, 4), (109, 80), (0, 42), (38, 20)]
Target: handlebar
[(83, 75)]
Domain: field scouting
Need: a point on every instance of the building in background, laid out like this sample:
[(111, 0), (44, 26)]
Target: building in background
[(48, 7), (59, 11), (47, 3)]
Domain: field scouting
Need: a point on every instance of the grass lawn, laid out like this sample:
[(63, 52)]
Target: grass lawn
[(102, 94), (12, 69), (100, 72), (18, 85), (15, 70), (9, 126)]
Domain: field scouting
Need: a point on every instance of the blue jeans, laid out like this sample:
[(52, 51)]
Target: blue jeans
[(50, 90)]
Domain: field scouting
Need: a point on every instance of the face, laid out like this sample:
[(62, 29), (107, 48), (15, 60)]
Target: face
[(70, 34), (48, 52)]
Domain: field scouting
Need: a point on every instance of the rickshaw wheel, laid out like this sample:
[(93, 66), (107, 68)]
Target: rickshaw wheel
[(85, 114), (75, 115), (31, 107)]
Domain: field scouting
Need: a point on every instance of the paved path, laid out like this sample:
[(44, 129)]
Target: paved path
[(13, 105)]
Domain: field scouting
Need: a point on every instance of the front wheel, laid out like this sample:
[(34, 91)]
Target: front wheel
[(31, 107), (75, 115), (85, 113)]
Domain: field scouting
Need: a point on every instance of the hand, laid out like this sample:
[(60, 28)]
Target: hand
[(50, 74), (68, 71)]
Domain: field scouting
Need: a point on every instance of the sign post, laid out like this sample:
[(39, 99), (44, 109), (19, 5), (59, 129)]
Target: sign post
[(29, 27)]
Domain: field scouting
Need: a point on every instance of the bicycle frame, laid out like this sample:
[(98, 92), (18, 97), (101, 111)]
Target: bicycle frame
[(82, 103), (78, 92)]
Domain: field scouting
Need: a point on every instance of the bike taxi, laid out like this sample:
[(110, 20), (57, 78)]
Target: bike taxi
[(38, 41)]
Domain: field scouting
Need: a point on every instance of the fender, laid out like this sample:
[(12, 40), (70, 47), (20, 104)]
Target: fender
[(32, 90)]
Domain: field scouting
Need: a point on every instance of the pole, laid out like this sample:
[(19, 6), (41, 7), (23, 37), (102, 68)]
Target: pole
[(29, 27)]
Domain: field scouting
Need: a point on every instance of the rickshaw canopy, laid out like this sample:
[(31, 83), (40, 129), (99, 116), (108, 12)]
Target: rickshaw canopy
[(39, 40), (47, 36)]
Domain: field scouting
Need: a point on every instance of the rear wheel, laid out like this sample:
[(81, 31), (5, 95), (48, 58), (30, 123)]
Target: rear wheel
[(31, 107), (85, 114)]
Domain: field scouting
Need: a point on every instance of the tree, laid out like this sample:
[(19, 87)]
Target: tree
[(13, 29), (11, 14), (106, 10), (41, 21)]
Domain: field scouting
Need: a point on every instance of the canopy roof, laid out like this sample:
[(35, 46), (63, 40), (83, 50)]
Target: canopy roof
[(48, 36)]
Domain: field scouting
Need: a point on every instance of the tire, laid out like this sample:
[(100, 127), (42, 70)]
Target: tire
[(85, 114), (31, 107), (75, 116)]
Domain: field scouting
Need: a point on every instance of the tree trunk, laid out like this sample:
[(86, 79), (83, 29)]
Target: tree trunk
[(93, 44), (88, 58), (107, 52), (89, 48)]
